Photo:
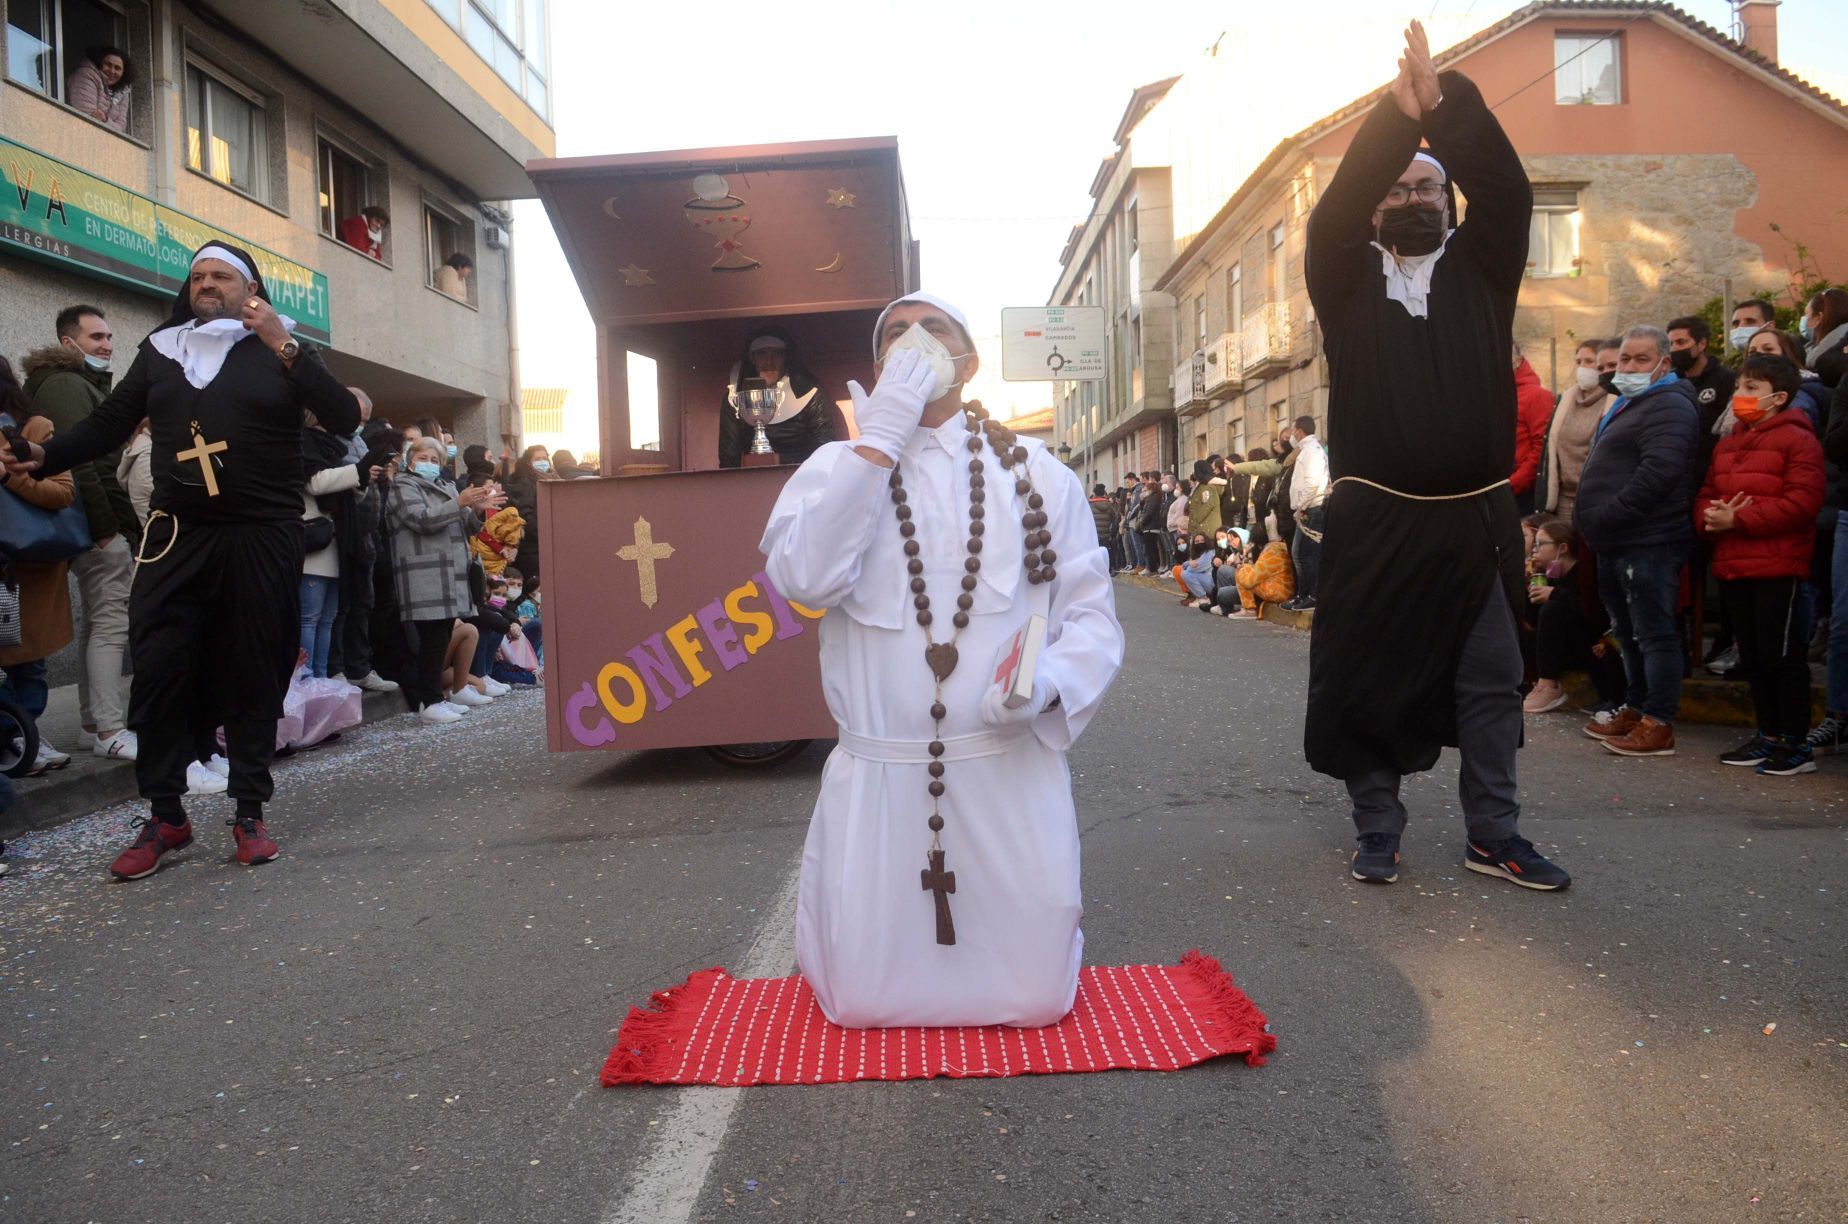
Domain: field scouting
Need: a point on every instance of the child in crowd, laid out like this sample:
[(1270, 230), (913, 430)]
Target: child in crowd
[(519, 659), (1195, 574), (1758, 505), (1271, 579), (1569, 626)]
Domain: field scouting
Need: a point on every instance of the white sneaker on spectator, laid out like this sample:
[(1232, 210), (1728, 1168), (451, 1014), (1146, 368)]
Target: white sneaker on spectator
[(200, 780), (441, 712), (219, 765), (454, 707), (49, 757), (341, 677), (467, 696), (372, 682), (495, 687), (1727, 660), (122, 746), (1216, 610)]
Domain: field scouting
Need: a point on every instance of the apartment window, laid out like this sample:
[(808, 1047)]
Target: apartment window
[(348, 181), (46, 40), (1280, 417), (1587, 69), (512, 37), (227, 131), (1553, 234), (1135, 231), (1277, 268), (1235, 297), (1200, 321), (446, 235)]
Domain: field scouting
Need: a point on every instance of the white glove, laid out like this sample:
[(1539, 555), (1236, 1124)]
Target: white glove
[(889, 416), (995, 711)]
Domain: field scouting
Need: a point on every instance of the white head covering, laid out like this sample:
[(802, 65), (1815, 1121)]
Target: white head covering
[(929, 299), (1408, 277), (201, 347)]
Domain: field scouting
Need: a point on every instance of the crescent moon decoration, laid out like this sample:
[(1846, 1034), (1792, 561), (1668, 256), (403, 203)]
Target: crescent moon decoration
[(835, 266), (609, 206)]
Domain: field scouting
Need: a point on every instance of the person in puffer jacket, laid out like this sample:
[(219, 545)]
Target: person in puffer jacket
[(1758, 504)]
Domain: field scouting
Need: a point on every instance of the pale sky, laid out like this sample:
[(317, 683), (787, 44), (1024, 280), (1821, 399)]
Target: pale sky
[(1002, 110)]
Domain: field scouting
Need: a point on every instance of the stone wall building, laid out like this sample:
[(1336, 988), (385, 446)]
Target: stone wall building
[(270, 124)]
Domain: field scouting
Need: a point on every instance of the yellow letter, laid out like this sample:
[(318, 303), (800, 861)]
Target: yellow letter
[(632, 711), (688, 647), (761, 626), (811, 613)]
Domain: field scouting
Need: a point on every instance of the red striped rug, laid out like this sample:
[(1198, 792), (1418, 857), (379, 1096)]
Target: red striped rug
[(716, 1029)]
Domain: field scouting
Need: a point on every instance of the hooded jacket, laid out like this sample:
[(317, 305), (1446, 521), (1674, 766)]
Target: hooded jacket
[(64, 390), (1533, 407), (1638, 482), (1778, 464), (793, 440)]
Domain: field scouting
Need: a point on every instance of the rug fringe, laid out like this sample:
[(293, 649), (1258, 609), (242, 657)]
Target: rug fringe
[(648, 1038), (1230, 1004)]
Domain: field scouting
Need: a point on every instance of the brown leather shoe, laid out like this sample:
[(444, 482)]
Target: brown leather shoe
[(1650, 738), (1616, 726)]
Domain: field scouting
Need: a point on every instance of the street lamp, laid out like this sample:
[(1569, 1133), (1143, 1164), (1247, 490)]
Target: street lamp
[(1065, 452)]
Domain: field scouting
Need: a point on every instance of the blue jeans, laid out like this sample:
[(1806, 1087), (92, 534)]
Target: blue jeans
[(25, 687), (534, 632), (486, 650), (320, 602), (1640, 588), (1197, 580), (1136, 559), (1307, 552), (1838, 621)]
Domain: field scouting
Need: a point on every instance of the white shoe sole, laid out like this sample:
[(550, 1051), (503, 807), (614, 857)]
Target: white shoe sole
[(1631, 752)]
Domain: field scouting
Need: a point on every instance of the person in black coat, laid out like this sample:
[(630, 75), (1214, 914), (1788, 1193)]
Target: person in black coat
[(214, 613), (1415, 643), (804, 421)]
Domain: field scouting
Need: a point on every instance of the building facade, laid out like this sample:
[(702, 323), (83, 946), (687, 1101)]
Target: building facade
[(274, 125)]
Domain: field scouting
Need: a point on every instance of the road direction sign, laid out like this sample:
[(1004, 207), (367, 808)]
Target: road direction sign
[(1048, 343)]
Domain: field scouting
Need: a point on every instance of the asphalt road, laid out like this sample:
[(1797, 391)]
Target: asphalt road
[(402, 1019)]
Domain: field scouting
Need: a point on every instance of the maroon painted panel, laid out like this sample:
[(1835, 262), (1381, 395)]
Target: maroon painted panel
[(662, 630)]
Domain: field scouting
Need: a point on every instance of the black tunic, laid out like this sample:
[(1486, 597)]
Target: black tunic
[(1422, 406)]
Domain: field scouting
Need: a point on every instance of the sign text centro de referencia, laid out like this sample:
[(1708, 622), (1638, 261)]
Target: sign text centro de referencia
[(1047, 343)]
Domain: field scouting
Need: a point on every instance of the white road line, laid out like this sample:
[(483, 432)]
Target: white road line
[(666, 1187)]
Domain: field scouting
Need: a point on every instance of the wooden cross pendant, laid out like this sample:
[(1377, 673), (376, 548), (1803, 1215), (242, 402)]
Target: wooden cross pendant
[(943, 883), (203, 453)]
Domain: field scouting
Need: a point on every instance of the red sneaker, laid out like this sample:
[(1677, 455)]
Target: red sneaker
[(254, 844), (155, 839)]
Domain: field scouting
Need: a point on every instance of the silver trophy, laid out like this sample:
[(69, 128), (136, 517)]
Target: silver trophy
[(756, 404)]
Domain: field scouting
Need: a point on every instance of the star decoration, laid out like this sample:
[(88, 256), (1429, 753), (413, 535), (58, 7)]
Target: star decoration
[(840, 197), (633, 276)]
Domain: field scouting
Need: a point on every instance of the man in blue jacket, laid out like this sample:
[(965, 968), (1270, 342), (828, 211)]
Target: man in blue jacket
[(1635, 507)]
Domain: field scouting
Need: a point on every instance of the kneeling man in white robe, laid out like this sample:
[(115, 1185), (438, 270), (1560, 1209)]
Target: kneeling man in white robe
[(940, 878)]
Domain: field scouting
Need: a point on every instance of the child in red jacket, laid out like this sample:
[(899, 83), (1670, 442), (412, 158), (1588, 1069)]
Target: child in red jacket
[(1758, 504)]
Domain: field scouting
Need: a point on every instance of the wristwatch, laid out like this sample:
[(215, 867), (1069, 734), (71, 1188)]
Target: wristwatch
[(289, 349)]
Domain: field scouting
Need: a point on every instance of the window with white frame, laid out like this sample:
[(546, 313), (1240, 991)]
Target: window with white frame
[(1135, 230), (513, 36), (48, 41), (1553, 234), (347, 181), (1277, 267), (447, 235), (227, 130), (1200, 321), (1587, 69), (1235, 297)]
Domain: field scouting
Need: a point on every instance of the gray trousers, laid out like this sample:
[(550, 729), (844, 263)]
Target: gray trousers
[(1488, 697)]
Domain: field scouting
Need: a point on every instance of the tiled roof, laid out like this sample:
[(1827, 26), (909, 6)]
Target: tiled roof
[(1032, 422)]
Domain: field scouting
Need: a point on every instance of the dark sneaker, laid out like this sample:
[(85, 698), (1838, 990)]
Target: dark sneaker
[(157, 837), (1377, 859), (1789, 760), (253, 841), (1516, 861), (1829, 737), (1752, 752)]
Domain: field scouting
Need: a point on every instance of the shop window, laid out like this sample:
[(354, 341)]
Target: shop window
[(1553, 234), (1587, 69), (227, 131)]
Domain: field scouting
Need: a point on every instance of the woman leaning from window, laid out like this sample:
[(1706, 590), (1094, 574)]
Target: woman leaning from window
[(99, 86)]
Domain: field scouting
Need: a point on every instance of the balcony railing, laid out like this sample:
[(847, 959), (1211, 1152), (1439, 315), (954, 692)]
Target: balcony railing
[(1264, 337), (1183, 383), (1224, 363)]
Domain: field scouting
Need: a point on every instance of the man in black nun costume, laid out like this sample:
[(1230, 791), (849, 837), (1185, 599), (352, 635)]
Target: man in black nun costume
[(214, 622), (1415, 645)]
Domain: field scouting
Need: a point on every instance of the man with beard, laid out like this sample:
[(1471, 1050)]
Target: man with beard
[(1415, 644), (803, 421), (214, 612)]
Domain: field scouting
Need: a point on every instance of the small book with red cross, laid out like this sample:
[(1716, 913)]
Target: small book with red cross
[(1018, 663)]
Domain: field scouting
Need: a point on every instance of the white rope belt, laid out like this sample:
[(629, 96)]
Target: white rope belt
[(1426, 497), (917, 752)]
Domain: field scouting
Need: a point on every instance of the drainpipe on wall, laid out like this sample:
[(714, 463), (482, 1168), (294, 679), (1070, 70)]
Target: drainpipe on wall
[(515, 415)]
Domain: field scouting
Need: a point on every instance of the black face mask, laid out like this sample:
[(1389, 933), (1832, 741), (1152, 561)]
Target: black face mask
[(1609, 383), (1411, 229), (1683, 359)]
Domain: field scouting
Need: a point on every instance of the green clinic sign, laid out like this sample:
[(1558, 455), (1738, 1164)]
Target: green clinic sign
[(56, 212)]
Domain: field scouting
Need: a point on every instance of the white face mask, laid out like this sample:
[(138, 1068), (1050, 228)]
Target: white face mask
[(942, 365), (376, 233), (1587, 377), (1742, 336), (99, 364)]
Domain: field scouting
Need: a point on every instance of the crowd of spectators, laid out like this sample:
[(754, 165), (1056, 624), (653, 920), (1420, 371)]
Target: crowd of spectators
[(1686, 505)]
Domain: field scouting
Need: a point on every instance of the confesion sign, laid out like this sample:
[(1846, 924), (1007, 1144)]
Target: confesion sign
[(56, 212), (1045, 343)]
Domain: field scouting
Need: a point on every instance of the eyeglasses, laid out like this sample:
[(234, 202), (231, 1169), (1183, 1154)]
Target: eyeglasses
[(1428, 192)]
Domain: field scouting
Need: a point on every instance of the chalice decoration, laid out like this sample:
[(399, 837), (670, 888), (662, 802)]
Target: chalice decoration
[(716, 211), (756, 403)]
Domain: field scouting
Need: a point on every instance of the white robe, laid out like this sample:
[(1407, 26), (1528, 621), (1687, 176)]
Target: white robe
[(865, 926)]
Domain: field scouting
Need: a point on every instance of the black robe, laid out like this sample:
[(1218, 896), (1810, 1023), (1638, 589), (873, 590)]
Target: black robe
[(1422, 406)]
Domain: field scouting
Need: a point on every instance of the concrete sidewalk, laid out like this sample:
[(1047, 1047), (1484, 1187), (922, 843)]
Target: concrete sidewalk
[(89, 782)]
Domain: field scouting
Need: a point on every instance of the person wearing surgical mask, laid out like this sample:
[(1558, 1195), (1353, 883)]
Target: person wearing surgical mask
[(533, 466), (1747, 318), (1825, 331), (1635, 501), (1568, 438)]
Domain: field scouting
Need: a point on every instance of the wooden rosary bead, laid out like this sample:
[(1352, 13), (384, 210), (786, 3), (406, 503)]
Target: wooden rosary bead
[(960, 620), (935, 748), (896, 480), (968, 582), (936, 824), (1035, 576), (920, 602), (975, 544), (1020, 454), (977, 527), (936, 790), (1032, 561), (924, 619), (911, 548), (899, 495), (917, 586), (973, 565), (1035, 501), (937, 711), (914, 566), (1047, 556), (935, 769), (975, 444), (907, 530), (1049, 574), (965, 601), (1021, 487), (975, 467), (978, 512), (1044, 537), (904, 512)]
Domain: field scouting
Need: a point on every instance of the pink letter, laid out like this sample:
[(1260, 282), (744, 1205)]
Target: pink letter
[(603, 733), (787, 626), (652, 661), (722, 635)]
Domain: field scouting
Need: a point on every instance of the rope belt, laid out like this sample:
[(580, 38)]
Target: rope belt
[(917, 752), (148, 529), (1425, 497)]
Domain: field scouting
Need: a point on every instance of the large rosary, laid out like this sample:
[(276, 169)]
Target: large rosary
[(941, 657)]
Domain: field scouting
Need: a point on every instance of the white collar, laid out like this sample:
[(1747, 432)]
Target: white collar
[(952, 435), (1408, 277)]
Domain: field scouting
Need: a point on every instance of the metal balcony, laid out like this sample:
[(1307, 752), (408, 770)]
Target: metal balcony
[(1224, 364), (1265, 340)]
